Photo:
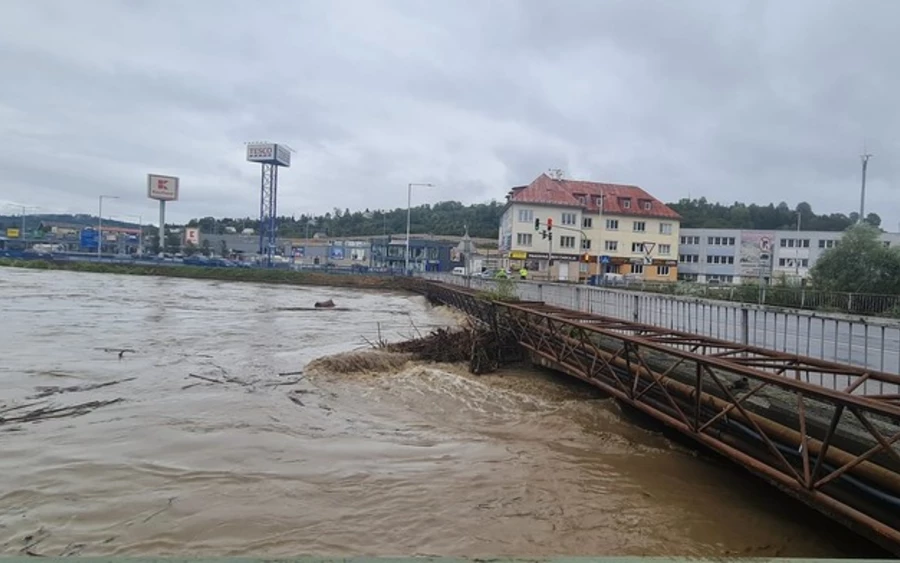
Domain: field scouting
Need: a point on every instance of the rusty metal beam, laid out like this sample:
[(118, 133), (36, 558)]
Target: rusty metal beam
[(638, 365)]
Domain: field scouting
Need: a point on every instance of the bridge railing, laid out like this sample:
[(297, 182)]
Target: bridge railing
[(871, 342)]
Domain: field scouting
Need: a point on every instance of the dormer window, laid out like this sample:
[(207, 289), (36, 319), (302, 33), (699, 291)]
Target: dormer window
[(625, 202), (581, 200), (647, 205), (599, 201)]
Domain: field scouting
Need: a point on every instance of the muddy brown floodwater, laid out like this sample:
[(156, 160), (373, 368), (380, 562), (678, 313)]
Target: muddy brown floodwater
[(427, 460)]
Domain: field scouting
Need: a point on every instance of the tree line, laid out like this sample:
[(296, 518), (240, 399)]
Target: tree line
[(451, 218), (483, 219)]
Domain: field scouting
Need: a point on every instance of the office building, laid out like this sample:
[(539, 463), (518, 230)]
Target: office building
[(742, 256)]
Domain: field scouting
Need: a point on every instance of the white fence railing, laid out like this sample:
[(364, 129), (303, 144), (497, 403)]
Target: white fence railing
[(869, 342)]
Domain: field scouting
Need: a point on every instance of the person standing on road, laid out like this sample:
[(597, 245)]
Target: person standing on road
[(523, 273)]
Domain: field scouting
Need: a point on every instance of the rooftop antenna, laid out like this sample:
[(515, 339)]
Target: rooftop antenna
[(862, 192), (556, 173)]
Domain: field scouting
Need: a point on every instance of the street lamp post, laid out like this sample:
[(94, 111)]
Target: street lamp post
[(100, 225), (409, 216), (141, 233)]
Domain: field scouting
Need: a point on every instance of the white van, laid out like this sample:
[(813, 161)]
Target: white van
[(459, 271)]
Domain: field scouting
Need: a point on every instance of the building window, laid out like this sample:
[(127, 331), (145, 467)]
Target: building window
[(690, 240), (581, 199), (526, 215), (805, 243), (665, 228), (523, 239), (599, 201), (640, 226), (568, 219), (647, 205), (585, 244), (662, 271), (587, 223), (612, 224), (637, 268), (637, 247), (689, 258), (567, 242), (783, 242), (625, 202), (665, 249), (827, 243), (719, 259), (611, 245)]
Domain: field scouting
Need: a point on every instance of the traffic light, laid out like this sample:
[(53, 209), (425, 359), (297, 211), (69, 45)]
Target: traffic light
[(549, 224), (537, 224)]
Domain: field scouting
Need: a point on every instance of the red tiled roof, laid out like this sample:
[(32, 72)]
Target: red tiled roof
[(568, 193)]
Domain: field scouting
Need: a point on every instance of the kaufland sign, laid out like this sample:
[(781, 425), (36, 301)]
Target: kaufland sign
[(162, 188)]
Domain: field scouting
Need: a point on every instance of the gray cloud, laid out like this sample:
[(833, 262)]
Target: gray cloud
[(745, 100)]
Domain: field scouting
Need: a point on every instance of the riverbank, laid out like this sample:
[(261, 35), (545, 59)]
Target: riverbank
[(290, 277)]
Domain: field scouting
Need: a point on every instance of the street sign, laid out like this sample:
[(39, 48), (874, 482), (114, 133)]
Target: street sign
[(604, 259), (162, 188), (12, 233), (88, 238)]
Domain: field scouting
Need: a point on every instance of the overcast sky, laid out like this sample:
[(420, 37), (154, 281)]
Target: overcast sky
[(732, 100)]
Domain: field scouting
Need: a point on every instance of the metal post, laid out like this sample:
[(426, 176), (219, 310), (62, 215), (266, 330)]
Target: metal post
[(636, 314), (162, 227), (745, 326), (100, 224), (408, 221), (100, 230), (862, 192), (409, 188)]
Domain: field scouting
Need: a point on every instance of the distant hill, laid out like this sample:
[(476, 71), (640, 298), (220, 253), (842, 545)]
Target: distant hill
[(33, 221)]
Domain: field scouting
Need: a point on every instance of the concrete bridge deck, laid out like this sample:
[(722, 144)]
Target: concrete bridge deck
[(824, 432)]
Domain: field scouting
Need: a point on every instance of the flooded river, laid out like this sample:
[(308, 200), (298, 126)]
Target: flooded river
[(205, 453)]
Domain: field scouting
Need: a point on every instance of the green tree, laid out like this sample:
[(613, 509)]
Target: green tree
[(860, 264), (204, 247), (223, 247), (190, 248), (173, 242)]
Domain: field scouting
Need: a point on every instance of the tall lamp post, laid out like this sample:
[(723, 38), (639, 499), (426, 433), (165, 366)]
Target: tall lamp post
[(409, 215), (141, 234), (100, 224)]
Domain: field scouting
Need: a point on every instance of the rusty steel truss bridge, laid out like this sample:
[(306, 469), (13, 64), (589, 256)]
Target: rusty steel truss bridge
[(823, 432)]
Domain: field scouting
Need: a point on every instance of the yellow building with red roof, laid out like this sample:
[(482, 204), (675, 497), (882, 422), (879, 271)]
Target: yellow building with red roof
[(595, 227)]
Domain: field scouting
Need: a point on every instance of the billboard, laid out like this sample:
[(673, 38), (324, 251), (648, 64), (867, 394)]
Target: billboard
[(12, 232), (269, 153), (192, 236), (162, 188), (755, 254), (88, 238)]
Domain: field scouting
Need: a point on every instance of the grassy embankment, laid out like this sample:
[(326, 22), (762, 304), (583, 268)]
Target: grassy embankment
[(223, 274)]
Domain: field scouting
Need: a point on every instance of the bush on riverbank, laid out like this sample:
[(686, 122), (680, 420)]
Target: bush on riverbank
[(223, 274)]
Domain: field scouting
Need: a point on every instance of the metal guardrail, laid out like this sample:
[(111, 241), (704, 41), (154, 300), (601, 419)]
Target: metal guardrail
[(862, 341), (783, 296)]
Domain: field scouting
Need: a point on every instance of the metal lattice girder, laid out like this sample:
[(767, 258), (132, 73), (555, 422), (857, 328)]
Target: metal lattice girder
[(268, 210), (833, 449)]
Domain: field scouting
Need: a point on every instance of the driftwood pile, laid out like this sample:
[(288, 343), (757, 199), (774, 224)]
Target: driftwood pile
[(484, 349)]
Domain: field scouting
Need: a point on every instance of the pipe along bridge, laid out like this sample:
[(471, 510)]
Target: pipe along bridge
[(769, 412)]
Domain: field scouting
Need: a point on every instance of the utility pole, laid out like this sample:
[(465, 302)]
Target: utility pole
[(862, 195), (797, 259)]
